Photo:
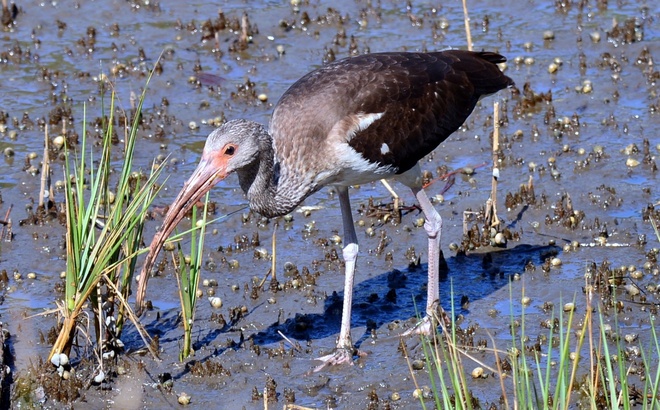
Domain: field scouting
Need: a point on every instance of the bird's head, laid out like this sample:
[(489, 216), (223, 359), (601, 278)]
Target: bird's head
[(231, 147)]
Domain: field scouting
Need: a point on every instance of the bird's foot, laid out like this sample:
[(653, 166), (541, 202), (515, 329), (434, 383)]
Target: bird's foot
[(423, 327), (427, 325), (340, 355)]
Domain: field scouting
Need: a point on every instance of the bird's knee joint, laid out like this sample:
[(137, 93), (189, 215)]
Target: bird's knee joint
[(433, 227), (350, 251)]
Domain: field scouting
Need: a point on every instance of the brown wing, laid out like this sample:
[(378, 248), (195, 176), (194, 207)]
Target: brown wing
[(424, 97)]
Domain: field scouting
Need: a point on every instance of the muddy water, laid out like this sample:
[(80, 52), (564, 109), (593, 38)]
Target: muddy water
[(49, 59)]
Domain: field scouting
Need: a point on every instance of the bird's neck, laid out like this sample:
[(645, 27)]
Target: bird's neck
[(266, 191)]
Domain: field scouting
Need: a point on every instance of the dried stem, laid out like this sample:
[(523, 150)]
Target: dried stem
[(245, 23), (64, 340), (45, 171), (395, 199), (491, 205), (500, 371), (136, 320), (466, 17), (5, 233)]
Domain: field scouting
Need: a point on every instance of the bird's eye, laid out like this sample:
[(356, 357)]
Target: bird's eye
[(230, 150)]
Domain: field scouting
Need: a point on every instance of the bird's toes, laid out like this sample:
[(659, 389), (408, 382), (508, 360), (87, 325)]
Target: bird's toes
[(430, 322), (423, 327), (340, 355)]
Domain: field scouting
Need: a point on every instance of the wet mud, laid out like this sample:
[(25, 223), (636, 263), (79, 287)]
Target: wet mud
[(578, 180)]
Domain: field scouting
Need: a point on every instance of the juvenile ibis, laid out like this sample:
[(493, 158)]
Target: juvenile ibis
[(350, 122)]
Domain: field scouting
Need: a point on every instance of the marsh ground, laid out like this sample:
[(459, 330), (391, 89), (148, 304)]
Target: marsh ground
[(583, 147)]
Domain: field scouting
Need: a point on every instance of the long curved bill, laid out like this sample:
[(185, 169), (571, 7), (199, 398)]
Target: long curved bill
[(208, 173)]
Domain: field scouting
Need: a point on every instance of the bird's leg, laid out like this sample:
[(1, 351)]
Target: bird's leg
[(273, 281), (345, 350), (433, 228)]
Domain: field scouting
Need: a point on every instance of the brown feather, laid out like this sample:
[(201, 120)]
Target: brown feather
[(424, 97)]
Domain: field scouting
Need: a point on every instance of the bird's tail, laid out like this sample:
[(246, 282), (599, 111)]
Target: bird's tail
[(482, 70), (499, 81)]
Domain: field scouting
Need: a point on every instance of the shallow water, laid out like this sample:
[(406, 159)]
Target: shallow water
[(615, 114)]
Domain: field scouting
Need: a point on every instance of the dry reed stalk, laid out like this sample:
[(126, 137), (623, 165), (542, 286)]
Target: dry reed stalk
[(491, 205), (466, 18), (45, 171)]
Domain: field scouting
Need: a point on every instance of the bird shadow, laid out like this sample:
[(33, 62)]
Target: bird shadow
[(392, 296), (401, 294)]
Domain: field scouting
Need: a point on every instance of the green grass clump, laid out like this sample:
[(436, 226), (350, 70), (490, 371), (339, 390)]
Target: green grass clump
[(188, 278), (579, 363), (103, 232), (448, 378)]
